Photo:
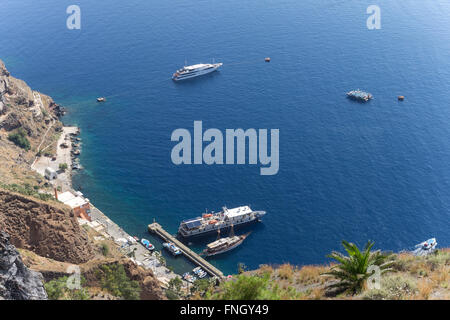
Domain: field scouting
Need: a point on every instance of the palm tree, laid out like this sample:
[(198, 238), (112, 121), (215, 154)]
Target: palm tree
[(352, 270)]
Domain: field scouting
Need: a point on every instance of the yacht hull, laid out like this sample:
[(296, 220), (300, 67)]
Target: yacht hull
[(223, 229), (195, 74)]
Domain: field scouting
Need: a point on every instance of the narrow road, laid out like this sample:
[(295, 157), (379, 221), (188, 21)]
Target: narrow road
[(36, 97)]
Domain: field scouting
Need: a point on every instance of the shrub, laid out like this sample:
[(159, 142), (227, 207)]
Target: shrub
[(114, 279), (265, 269), (27, 190), (202, 286), (286, 272), (171, 295), (175, 284), (243, 288), (392, 288), (19, 138), (63, 166), (57, 290), (105, 249), (241, 267), (425, 287), (311, 274)]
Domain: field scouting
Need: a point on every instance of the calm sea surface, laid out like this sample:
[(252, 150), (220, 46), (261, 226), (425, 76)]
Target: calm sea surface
[(351, 171)]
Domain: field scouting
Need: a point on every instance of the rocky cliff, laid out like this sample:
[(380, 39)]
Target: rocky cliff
[(44, 230), (36, 114), (17, 282), (50, 230)]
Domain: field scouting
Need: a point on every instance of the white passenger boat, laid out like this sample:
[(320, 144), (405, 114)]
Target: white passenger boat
[(195, 70), (215, 221)]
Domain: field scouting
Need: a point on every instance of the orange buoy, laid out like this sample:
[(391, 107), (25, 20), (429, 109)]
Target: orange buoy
[(401, 98)]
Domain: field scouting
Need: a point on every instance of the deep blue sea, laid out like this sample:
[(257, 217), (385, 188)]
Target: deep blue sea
[(378, 171)]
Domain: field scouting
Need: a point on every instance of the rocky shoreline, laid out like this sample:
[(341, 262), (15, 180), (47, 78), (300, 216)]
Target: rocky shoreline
[(43, 227)]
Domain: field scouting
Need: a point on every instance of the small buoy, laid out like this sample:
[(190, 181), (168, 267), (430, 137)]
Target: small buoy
[(267, 59), (401, 98)]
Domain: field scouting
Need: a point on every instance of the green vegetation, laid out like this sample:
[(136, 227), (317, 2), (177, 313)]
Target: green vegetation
[(27, 190), (174, 290), (241, 267), (171, 295), (63, 166), (352, 270), (105, 249), (201, 287), (114, 279), (19, 137), (246, 287), (425, 277), (392, 288), (58, 290)]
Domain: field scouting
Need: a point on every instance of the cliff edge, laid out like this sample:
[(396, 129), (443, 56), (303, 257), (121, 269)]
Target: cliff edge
[(17, 282)]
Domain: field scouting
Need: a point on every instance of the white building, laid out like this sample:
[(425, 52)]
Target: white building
[(80, 205), (50, 174)]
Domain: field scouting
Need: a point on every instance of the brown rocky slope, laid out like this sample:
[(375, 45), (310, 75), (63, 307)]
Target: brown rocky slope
[(36, 114), (45, 229)]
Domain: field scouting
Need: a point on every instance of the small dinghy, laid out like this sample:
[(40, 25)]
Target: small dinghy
[(147, 244)]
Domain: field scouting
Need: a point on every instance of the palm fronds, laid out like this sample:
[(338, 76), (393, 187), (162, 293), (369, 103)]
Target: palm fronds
[(352, 270)]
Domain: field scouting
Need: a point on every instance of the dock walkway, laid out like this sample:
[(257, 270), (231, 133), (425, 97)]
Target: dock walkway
[(157, 229)]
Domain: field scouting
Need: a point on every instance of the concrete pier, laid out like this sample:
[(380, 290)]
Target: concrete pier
[(157, 229)]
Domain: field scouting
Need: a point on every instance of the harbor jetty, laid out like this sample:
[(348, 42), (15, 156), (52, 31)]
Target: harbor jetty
[(157, 229)]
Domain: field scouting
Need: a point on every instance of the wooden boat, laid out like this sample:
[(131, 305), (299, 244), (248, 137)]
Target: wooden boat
[(222, 245)]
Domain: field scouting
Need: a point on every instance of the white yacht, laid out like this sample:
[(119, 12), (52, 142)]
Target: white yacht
[(215, 221), (195, 71)]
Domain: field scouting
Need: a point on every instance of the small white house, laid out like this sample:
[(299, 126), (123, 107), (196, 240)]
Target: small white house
[(50, 174)]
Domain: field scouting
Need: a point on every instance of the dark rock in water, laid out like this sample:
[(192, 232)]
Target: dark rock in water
[(57, 109), (17, 282)]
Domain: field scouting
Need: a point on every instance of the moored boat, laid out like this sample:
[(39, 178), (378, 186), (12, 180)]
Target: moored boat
[(426, 247), (199, 272), (173, 249), (224, 244), (209, 222), (189, 277), (147, 244)]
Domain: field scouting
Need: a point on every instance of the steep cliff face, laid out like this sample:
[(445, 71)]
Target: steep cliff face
[(36, 113), (49, 230), (17, 282), (18, 105), (150, 286)]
